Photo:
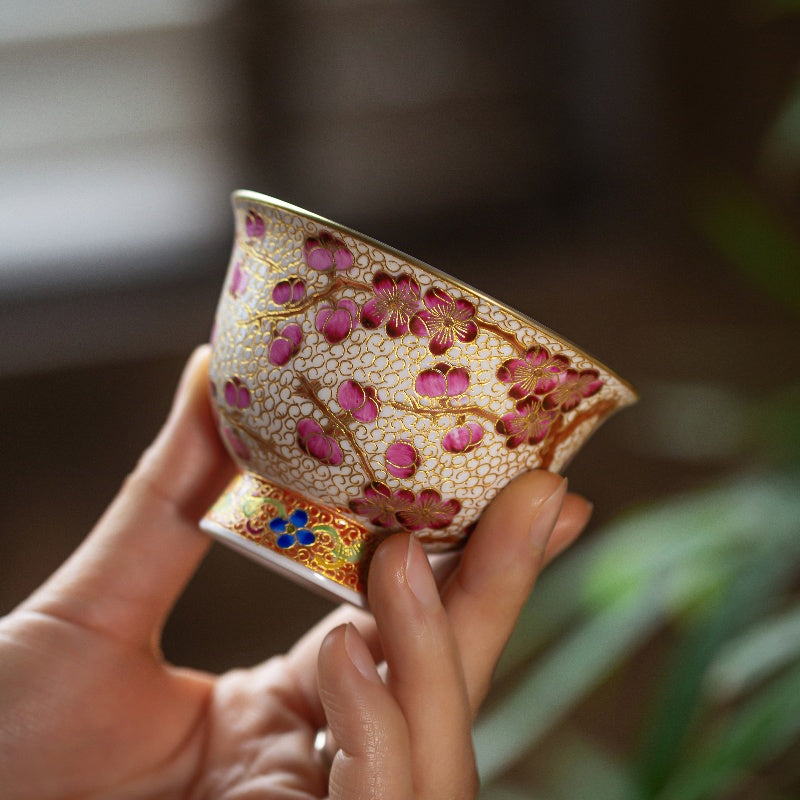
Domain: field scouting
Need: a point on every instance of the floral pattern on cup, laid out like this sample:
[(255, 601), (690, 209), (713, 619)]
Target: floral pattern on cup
[(435, 371), (289, 291), (326, 252), (402, 509), (335, 321), (463, 438), (292, 530), (312, 439), (395, 302), (442, 380), (381, 505), (237, 395), (428, 510), (285, 344), (239, 280), (537, 372), (444, 320), (401, 459), (360, 401), (572, 387), (529, 423), (254, 225), (237, 446)]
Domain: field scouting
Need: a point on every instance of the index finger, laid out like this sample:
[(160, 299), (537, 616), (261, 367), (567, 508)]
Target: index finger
[(527, 524)]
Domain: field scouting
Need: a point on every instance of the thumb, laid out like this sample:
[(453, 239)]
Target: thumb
[(127, 574)]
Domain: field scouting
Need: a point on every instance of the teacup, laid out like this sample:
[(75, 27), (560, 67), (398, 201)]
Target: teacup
[(362, 393)]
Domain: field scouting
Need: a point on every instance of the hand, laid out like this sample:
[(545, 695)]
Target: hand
[(89, 709)]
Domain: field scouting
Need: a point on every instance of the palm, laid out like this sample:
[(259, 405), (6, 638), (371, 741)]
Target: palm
[(122, 723)]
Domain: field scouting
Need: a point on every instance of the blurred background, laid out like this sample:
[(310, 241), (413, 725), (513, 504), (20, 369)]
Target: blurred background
[(625, 171)]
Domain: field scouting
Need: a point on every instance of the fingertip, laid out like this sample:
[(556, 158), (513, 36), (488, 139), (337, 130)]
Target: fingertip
[(520, 503), (331, 644), (387, 567), (359, 655), (523, 515), (576, 513), (367, 731)]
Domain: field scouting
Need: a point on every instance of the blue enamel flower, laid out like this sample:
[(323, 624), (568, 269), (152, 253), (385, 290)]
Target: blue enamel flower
[(293, 530)]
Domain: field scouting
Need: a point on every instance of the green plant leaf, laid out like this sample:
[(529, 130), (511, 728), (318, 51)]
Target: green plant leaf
[(757, 655), (696, 539), (558, 600), (760, 731), (562, 677), (594, 607), (781, 148), (578, 768), (506, 791), (774, 426), (681, 699)]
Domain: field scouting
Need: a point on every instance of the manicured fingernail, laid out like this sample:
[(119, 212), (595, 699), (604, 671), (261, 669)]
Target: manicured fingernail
[(545, 516), (359, 655), (418, 574)]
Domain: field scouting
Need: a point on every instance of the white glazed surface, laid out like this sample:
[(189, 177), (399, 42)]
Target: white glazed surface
[(289, 334)]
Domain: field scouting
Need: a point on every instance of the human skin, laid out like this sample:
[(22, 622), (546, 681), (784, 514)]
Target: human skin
[(89, 708)]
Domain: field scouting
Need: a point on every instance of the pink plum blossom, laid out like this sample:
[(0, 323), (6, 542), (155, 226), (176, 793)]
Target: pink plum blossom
[(572, 387), (402, 459), (325, 252), (360, 401), (382, 506), (290, 290), (239, 280), (535, 373), (285, 344), (335, 321), (463, 438), (314, 441), (254, 225), (442, 380), (443, 320), (237, 395), (529, 422), (428, 511), (395, 302)]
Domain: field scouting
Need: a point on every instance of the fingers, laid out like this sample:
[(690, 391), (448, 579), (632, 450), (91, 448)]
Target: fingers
[(128, 573), (574, 515), (373, 762), (424, 669), (440, 654), (517, 533), (303, 655)]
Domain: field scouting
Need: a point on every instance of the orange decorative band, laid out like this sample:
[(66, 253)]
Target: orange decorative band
[(297, 528)]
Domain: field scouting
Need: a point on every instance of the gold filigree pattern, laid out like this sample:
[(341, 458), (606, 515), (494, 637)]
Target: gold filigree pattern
[(348, 373), (340, 551)]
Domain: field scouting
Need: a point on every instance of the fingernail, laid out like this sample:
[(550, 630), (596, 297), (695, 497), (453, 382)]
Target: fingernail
[(545, 516), (419, 575), (359, 655)]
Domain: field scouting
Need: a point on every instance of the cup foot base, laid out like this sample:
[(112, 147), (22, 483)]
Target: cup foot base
[(311, 544)]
